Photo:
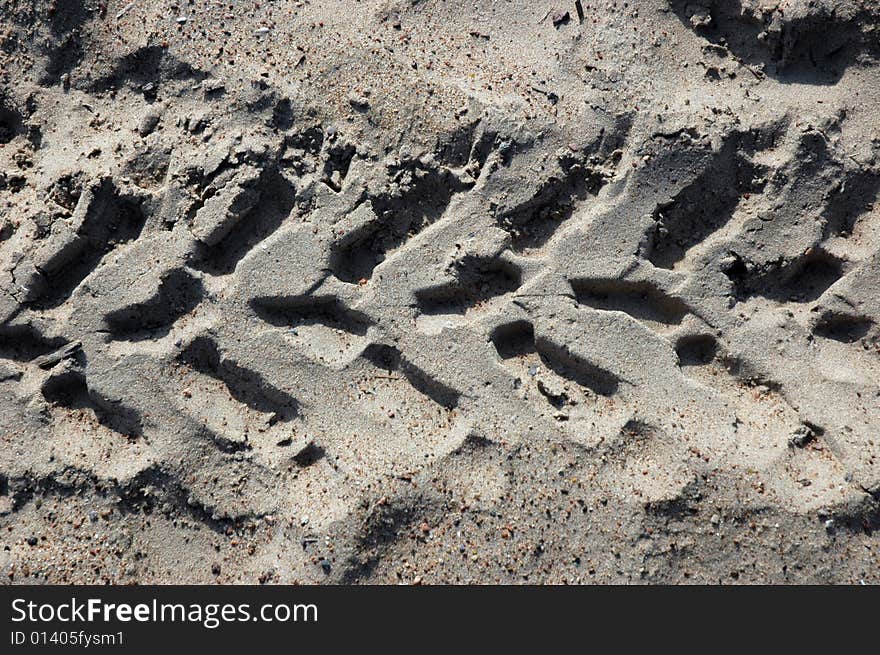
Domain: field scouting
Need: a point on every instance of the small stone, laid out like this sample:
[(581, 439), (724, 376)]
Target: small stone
[(68, 350), (553, 390), (801, 437), (358, 102), (701, 19), (215, 568), (560, 18), (32, 541), (148, 124)]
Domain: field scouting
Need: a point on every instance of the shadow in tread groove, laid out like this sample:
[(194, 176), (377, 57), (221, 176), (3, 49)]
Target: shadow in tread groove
[(815, 48), (179, 293), (145, 65), (276, 199), (155, 489), (10, 122), (22, 343), (70, 390), (294, 311), (696, 350), (857, 195), (111, 220), (842, 327), (244, 385), (801, 280), (309, 455), (641, 300), (477, 280), (389, 358), (517, 339), (400, 215)]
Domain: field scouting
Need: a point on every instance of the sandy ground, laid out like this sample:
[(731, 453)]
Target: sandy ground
[(439, 291)]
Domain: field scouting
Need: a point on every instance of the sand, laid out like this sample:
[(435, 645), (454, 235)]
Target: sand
[(439, 291)]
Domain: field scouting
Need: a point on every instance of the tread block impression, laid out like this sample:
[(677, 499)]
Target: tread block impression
[(389, 358), (477, 280), (418, 198), (269, 202), (705, 205), (244, 385), (178, 294), (533, 224), (295, 311), (518, 339), (23, 343), (69, 390), (641, 300), (110, 219)]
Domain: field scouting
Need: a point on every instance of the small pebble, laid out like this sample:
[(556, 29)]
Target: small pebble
[(561, 18)]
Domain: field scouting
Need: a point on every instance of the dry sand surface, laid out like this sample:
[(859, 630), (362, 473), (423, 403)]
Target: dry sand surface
[(380, 291)]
